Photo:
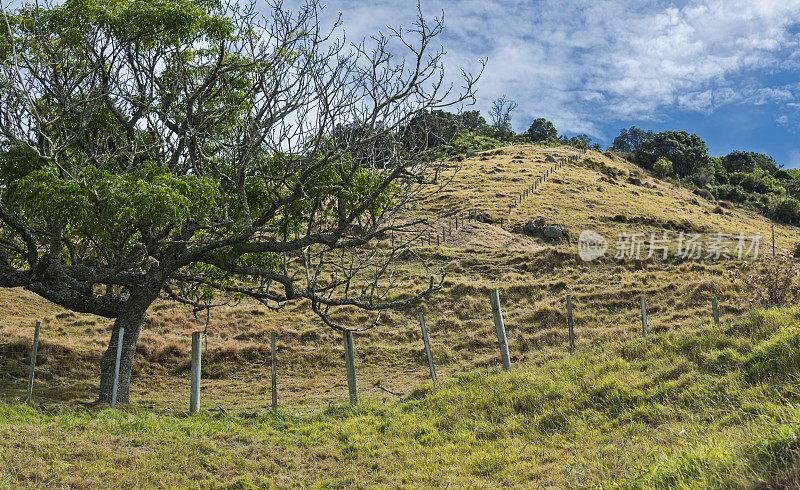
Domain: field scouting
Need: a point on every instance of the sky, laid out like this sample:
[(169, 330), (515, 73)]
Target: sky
[(727, 70)]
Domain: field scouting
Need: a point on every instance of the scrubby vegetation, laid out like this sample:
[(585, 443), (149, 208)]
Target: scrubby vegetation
[(753, 179)]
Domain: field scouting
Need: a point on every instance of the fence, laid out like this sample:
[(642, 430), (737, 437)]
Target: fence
[(348, 338), (350, 353), (444, 228)]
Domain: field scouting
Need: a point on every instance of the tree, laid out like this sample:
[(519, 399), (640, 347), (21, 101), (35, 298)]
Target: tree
[(428, 130), (748, 162), (688, 153), (500, 115), (473, 121), (542, 130), (787, 210), (184, 149), (631, 139)]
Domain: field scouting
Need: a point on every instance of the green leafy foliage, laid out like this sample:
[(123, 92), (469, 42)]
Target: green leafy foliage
[(632, 139), (750, 178), (541, 130), (475, 141), (688, 153), (787, 210), (149, 197), (662, 167), (156, 22)]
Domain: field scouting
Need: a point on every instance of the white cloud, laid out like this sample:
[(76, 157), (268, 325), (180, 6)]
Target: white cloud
[(585, 63), (782, 120)]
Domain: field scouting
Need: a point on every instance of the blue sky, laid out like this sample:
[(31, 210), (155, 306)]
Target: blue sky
[(728, 70)]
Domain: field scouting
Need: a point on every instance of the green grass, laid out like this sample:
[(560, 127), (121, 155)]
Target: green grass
[(702, 407)]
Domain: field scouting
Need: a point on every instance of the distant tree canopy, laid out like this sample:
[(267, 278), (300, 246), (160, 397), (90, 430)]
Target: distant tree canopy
[(438, 128), (631, 139), (748, 161), (688, 153), (751, 178), (541, 130)]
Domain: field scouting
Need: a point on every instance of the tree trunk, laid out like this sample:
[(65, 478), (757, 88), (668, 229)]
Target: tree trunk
[(131, 319)]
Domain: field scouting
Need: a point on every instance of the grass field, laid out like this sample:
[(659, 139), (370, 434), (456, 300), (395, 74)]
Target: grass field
[(693, 405), (706, 407)]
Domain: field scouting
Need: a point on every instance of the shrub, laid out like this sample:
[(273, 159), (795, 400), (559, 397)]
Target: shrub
[(736, 178), (662, 167), (704, 193), (770, 281), (796, 251), (758, 183), (700, 179), (729, 192), (471, 140), (787, 210)]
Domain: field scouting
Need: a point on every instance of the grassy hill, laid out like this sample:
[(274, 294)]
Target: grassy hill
[(691, 405)]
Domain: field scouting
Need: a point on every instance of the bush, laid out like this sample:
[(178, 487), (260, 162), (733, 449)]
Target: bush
[(787, 210), (700, 179), (758, 183), (471, 140), (736, 178), (796, 251), (770, 281), (729, 192), (662, 167)]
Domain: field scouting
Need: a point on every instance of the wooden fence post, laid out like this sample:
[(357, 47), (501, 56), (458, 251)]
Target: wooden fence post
[(715, 311), (494, 298), (194, 394), (34, 351), (427, 346), (350, 364), (120, 336), (274, 373), (644, 318), (569, 323)]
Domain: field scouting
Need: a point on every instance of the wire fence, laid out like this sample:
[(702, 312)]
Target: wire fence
[(444, 229), (61, 374)]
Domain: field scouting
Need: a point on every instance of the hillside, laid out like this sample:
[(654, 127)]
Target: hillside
[(590, 195), (596, 436), (533, 277), (703, 408)]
